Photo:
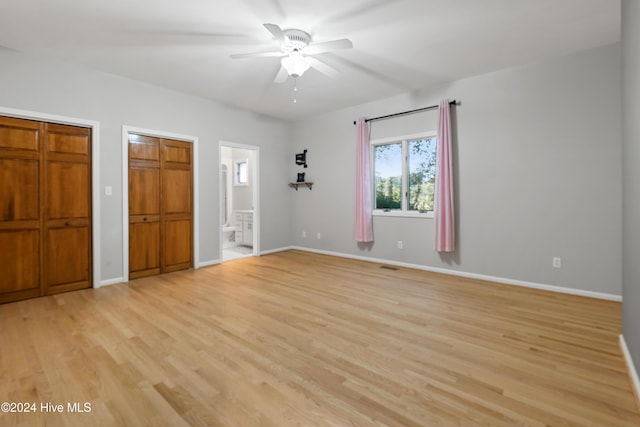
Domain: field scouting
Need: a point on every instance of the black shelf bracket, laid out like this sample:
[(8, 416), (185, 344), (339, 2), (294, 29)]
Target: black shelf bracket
[(298, 184)]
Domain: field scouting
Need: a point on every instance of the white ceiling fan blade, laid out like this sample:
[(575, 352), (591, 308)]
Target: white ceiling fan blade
[(282, 76), (269, 54), (314, 48), (322, 67), (275, 30)]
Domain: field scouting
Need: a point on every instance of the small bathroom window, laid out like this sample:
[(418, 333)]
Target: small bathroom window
[(242, 175)]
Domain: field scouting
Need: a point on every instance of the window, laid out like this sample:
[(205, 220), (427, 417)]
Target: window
[(404, 170), (241, 173)]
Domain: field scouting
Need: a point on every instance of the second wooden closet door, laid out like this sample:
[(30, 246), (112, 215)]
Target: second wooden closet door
[(160, 206)]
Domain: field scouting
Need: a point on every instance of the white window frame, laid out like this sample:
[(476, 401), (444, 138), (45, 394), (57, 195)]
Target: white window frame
[(237, 173), (404, 141)]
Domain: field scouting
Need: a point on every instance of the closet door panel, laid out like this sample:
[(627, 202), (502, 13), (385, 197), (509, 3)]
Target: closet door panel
[(177, 152), (144, 206), (73, 141), (144, 248), (177, 245), (67, 265), (177, 205), (144, 191), (19, 171), (65, 143), (67, 189), (19, 189), (176, 190), (67, 222), (19, 135), (19, 266), (20, 216), (144, 148)]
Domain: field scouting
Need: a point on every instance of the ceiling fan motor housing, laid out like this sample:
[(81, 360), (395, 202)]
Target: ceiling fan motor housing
[(295, 40)]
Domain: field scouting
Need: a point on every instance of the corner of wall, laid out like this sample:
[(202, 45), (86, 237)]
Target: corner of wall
[(633, 374)]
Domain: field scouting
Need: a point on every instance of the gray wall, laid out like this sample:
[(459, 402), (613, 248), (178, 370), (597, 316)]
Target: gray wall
[(44, 86), (631, 176), (243, 194), (537, 152)]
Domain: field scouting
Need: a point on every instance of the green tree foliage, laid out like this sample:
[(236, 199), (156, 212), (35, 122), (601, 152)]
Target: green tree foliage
[(388, 189), (421, 177), (389, 193), (422, 173)]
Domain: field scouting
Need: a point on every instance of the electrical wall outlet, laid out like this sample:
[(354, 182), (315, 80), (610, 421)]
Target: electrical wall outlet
[(400, 244), (304, 234), (108, 190), (318, 236), (557, 262)]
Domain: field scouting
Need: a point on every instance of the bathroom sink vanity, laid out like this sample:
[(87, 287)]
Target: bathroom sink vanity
[(243, 220)]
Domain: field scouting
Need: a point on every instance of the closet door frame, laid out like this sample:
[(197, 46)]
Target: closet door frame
[(94, 126), (126, 130)]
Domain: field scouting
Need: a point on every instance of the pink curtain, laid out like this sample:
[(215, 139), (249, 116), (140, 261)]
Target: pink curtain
[(364, 186), (445, 238)]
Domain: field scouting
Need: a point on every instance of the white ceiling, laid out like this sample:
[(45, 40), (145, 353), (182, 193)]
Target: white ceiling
[(399, 45)]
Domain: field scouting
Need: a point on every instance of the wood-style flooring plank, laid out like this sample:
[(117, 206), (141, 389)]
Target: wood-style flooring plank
[(301, 339)]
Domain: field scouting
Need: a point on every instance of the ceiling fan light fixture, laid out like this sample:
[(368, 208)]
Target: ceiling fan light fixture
[(295, 63)]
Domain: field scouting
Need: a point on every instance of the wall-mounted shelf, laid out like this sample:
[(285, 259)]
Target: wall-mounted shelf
[(298, 184)]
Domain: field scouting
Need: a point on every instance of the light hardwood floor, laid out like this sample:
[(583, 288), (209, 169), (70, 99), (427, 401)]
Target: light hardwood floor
[(300, 339)]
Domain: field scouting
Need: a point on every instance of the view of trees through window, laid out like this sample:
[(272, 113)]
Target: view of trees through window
[(388, 176), (418, 167)]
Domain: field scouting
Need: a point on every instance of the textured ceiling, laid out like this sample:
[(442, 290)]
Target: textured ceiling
[(399, 45)]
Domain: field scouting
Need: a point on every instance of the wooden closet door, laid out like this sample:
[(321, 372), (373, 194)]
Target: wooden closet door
[(45, 208), (67, 213), (160, 206), (177, 205), (20, 221), (144, 206)]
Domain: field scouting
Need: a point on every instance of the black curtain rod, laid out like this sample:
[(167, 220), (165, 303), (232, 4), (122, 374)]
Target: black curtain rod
[(433, 107)]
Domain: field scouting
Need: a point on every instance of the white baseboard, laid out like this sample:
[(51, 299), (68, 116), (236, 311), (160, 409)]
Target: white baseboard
[(273, 251), (533, 285), (633, 374), (552, 288), (208, 263), (110, 282)]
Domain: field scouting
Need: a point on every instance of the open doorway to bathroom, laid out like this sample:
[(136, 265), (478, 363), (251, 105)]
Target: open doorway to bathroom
[(239, 211)]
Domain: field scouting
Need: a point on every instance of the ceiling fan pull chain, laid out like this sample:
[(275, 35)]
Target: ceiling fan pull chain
[(295, 90)]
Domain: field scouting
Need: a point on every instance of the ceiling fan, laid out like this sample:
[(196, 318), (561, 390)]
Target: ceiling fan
[(296, 48)]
